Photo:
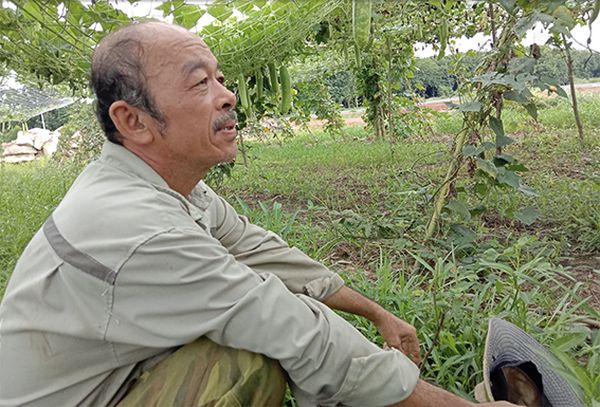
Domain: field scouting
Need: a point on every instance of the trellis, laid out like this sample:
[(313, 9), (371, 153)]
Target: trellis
[(53, 40), (21, 104)]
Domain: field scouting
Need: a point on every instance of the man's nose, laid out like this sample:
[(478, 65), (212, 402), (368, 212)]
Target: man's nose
[(227, 99)]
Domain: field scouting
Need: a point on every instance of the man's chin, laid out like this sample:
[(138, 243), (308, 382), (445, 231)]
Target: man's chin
[(229, 158)]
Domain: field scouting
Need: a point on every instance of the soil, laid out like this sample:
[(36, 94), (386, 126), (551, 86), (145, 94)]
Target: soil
[(586, 270)]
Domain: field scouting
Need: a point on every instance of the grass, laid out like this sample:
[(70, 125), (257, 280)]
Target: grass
[(29, 193), (360, 206)]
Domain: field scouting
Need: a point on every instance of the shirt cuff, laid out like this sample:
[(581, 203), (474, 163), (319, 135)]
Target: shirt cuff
[(379, 379), (323, 287)]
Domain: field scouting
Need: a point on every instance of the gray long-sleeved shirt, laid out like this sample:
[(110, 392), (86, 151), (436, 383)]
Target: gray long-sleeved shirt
[(126, 269)]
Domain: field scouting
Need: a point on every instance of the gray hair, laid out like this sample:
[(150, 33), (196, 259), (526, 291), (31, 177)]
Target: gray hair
[(118, 74)]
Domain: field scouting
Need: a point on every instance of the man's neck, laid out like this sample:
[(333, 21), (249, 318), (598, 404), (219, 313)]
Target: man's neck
[(178, 175)]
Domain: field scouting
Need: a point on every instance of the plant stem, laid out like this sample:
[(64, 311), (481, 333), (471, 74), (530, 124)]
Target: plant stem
[(569, 62), (451, 174)]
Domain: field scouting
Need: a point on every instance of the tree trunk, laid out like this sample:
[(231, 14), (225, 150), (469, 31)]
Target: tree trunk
[(569, 62)]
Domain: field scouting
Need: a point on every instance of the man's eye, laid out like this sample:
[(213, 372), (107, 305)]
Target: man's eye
[(202, 82), (221, 79)]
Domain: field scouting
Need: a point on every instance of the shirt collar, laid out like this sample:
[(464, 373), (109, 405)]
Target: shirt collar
[(118, 156)]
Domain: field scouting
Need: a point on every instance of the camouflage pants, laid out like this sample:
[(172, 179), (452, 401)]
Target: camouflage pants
[(205, 374)]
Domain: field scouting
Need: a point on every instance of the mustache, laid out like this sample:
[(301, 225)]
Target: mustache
[(222, 120)]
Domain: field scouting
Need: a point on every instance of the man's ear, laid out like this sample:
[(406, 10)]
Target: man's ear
[(133, 124)]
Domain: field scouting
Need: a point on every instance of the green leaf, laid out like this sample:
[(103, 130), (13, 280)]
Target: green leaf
[(527, 215), (461, 234), (443, 38), (570, 340), (509, 5), (519, 97), (509, 178), (470, 151), (188, 15), (244, 6), (576, 374), (459, 208), (470, 107), (532, 110), (478, 210), (565, 17), (486, 145), (561, 92), (503, 159), (517, 167), (524, 24), (220, 11), (498, 128), (165, 8), (527, 190), (481, 188), (520, 65), (487, 167), (595, 12), (502, 140)]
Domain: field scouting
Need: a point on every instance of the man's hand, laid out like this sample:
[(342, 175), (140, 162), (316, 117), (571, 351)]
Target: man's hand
[(396, 333), (399, 334)]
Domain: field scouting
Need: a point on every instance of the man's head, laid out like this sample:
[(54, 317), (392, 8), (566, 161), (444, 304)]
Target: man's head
[(160, 93), (118, 74)]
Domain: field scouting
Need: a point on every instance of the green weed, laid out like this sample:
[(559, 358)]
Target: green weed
[(450, 302), (28, 195), (360, 206)]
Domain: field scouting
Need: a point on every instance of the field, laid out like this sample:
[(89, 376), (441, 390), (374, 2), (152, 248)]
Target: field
[(361, 205)]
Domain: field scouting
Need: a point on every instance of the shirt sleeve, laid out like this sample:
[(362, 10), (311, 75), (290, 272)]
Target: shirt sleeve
[(183, 284), (264, 251)]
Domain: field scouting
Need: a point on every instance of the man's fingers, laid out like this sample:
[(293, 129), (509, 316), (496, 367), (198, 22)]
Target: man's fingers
[(407, 346), (412, 350)]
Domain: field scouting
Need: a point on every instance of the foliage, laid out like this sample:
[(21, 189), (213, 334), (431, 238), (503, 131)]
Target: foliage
[(552, 65), (360, 204), (81, 137), (342, 88), (52, 41), (311, 77), (432, 77), (454, 300), (30, 192), (10, 132), (506, 72), (303, 188)]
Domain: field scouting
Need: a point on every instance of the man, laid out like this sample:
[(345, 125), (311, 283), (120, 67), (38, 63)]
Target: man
[(141, 259)]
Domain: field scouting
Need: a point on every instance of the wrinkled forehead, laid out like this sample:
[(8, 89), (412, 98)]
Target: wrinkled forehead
[(173, 48)]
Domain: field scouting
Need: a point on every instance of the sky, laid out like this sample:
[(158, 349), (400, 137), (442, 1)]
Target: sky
[(537, 35)]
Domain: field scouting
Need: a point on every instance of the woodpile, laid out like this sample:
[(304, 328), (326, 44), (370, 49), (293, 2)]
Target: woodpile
[(30, 145)]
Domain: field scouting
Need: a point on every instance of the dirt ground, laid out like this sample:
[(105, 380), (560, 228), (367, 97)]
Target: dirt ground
[(584, 268)]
